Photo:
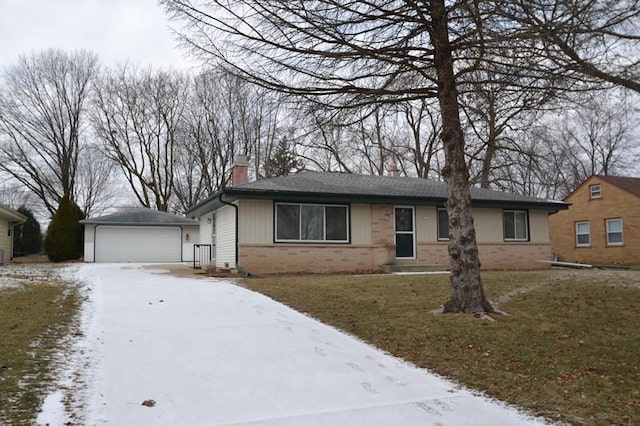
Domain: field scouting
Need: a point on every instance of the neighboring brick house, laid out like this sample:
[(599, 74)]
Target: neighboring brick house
[(313, 222), (602, 224)]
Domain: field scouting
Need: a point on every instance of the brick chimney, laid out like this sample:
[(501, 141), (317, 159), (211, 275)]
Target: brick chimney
[(393, 170), (240, 170)]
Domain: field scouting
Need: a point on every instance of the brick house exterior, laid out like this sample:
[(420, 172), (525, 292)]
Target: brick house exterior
[(602, 224), (313, 222)]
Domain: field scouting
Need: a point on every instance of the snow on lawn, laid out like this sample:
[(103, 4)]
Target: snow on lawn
[(16, 275), (208, 352)]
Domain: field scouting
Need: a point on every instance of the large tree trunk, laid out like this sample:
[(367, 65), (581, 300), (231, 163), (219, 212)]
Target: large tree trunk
[(467, 292)]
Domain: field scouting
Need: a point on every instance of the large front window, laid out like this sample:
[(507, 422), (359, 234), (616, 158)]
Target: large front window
[(515, 225), (311, 223)]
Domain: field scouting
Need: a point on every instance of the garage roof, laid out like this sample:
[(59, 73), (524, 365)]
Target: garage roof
[(141, 216)]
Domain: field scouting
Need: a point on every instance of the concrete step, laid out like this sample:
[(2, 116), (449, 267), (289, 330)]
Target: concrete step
[(390, 269)]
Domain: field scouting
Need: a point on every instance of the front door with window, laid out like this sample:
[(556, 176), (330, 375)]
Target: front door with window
[(404, 232)]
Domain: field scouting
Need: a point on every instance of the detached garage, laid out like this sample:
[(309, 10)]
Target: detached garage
[(140, 235)]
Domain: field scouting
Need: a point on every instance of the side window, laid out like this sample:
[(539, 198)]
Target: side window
[(443, 225), (614, 232), (583, 234), (595, 191), (516, 225)]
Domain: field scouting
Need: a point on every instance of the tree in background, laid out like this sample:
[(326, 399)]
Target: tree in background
[(64, 239), (283, 160), (137, 118), (27, 236), (224, 116), (43, 108)]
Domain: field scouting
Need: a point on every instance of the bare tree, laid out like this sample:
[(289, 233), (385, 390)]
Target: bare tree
[(137, 119), (95, 189), (419, 147), (223, 116), (496, 111), (15, 195), (43, 111), (589, 43), (599, 134)]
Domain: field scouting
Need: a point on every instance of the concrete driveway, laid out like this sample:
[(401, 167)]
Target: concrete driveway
[(208, 352)]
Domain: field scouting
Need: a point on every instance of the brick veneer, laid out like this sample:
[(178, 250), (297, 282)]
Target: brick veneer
[(613, 204), (308, 258), (330, 258)]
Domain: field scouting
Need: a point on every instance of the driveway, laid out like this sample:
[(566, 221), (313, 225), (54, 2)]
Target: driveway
[(208, 352)]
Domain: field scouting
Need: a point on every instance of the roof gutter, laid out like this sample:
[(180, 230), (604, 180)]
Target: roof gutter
[(367, 198), (237, 222)]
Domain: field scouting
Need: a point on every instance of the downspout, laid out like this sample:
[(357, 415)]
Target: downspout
[(236, 208)]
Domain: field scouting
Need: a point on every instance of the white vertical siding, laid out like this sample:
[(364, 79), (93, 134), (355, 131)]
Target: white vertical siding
[(426, 224), (89, 231), (226, 236), (256, 221), (539, 226), (360, 223), (206, 228), (5, 239), (190, 236), (488, 224)]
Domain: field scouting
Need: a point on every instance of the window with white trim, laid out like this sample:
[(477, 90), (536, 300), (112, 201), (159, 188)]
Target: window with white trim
[(583, 234), (312, 223), (595, 191), (614, 232), (443, 225), (515, 225)]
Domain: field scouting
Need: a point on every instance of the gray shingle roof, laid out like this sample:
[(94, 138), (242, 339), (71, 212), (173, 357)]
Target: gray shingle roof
[(309, 182), (344, 187), (141, 216), (631, 184)]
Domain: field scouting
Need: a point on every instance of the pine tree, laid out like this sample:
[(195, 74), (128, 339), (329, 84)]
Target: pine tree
[(27, 237), (282, 161), (64, 239)]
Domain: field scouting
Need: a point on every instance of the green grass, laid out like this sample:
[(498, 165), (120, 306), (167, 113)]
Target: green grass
[(569, 350), (34, 318)]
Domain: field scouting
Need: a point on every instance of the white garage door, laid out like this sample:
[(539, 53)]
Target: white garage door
[(138, 244)]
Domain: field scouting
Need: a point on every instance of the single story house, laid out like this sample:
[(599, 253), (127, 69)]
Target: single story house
[(602, 225), (314, 222), (8, 219), (139, 235)]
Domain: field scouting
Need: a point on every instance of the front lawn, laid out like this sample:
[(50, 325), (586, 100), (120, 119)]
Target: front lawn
[(569, 350), (36, 313)]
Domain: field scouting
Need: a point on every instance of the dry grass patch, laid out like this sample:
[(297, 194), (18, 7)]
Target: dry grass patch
[(569, 350), (34, 318)]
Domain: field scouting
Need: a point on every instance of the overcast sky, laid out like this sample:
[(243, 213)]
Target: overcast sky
[(117, 30)]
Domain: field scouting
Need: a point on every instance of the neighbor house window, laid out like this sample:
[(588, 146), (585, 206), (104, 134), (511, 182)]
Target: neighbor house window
[(443, 225), (595, 191), (614, 232), (583, 234), (515, 225), (311, 222)]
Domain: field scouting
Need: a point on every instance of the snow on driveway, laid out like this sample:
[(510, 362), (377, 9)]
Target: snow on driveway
[(209, 352)]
